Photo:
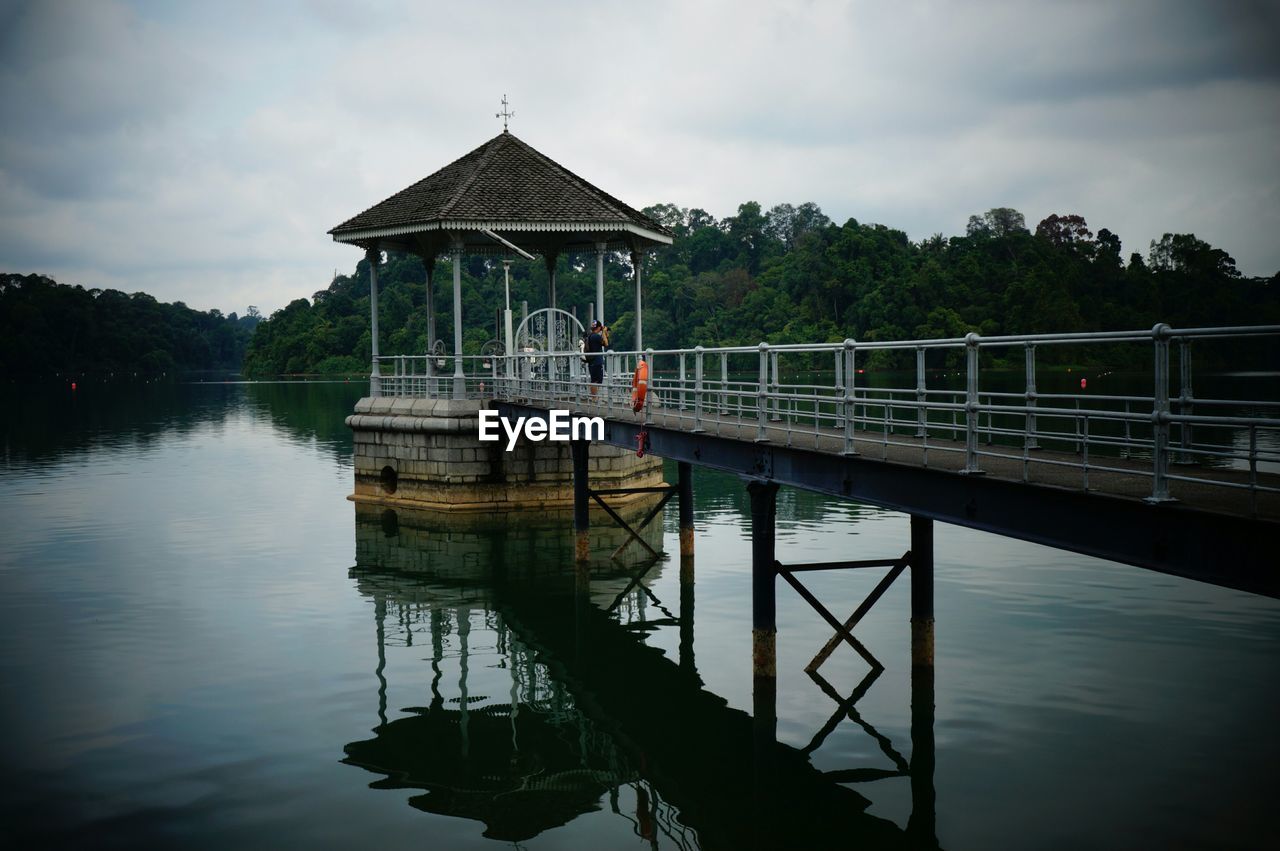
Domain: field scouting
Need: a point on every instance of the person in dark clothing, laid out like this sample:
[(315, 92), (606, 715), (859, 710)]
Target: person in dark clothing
[(595, 360)]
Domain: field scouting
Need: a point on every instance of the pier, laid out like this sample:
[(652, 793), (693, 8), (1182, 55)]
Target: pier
[(1162, 479)]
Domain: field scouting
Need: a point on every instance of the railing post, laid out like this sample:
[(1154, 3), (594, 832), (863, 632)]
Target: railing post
[(724, 383), (684, 399), (776, 405), (922, 416), (850, 396), (971, 406), (653, 375), (1160, 417), (697, 388), (839, 371), (762, 394), (1184, 398), (1029, 440)]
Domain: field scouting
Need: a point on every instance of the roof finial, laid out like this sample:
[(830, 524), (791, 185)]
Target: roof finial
[(504, 115)]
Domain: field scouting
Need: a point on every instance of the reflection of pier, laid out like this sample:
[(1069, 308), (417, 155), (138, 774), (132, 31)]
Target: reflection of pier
[(592, 711)]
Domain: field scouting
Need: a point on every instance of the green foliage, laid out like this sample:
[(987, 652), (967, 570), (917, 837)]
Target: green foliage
[(792, 275), (49, 329)]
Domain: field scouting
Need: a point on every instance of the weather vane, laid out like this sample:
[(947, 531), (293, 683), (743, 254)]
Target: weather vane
[(504, 115)]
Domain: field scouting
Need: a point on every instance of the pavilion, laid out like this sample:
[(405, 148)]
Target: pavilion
[(503, 197)]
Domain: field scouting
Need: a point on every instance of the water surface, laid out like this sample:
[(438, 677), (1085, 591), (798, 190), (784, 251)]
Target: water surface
[(204, 644)]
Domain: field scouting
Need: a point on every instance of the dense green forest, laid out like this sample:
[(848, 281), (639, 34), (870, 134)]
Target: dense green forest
[(51, 329), (791, 275)]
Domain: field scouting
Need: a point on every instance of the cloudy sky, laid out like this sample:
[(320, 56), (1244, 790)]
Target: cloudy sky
[(200, 151)]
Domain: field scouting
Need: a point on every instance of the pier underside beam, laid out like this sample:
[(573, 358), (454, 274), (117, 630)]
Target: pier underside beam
[(1170, 538)]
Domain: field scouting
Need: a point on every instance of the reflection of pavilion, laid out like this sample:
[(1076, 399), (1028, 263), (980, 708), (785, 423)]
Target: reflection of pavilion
[(521, 767), (590, 710), (533, 761)]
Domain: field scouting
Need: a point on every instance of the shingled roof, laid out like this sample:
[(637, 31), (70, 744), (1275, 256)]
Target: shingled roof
[(507, 187)]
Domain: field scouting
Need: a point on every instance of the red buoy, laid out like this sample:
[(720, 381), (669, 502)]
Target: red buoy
[(73, 385), (1084, 382)]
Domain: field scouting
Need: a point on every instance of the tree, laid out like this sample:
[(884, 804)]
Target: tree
[(977, 227), (1070, 231), (1003, 221)]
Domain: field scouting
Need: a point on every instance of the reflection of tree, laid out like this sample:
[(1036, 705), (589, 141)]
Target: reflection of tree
[(309, 410), (43, 424)]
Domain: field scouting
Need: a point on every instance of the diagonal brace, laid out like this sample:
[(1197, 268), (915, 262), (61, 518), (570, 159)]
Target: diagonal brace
[(634, 534), (841, 630), (858, 613)]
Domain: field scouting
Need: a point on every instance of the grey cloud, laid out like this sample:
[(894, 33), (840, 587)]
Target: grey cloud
[(200, 151)]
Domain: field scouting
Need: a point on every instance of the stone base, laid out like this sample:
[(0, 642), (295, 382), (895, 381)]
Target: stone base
[(470, 550), (426, 453)]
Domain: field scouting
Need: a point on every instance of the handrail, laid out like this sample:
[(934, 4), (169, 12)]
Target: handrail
[(710, 388)]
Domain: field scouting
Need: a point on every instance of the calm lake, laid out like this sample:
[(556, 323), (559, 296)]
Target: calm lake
[(206, 645)]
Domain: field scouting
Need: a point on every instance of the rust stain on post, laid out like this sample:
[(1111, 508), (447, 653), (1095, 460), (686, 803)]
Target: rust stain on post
[(764, 653), (922, 642)]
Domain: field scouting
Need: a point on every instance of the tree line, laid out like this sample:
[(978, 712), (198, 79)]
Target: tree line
[(49, 329), (790, 275)]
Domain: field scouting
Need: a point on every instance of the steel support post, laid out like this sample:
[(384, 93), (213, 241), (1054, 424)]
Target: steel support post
[(686, 613), (971, 406), (764, 692), (921, 825), (1160, 417), (685, 485), (764, 630), (921, 590), (375, 380), (581, 503)]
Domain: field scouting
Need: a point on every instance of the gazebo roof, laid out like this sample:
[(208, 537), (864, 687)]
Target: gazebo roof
[(509, 188)]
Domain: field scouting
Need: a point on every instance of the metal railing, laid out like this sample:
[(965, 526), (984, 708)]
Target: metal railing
[(820, 393)]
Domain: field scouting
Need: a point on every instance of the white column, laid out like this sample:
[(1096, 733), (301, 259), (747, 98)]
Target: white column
[(551, 302), (375, 383), (600, 281), (459, 381), (636, 258), (429, 263)]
